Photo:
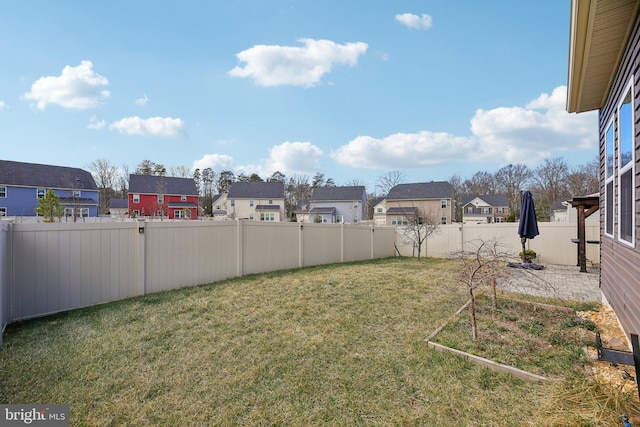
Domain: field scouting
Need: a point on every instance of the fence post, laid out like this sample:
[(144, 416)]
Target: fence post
[(300, 245), (142, 280), (372, 241), (239, 244), (342, 242)]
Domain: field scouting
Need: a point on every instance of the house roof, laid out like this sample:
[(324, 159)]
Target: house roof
[(119, 203), (421, 190), (332, 194), (152, 184), (323, 210), (490, 199), (404, 211), (256, 190), (47, 176), (599, 32)]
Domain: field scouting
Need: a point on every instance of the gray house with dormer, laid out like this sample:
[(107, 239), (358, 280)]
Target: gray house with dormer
[(334, 205)]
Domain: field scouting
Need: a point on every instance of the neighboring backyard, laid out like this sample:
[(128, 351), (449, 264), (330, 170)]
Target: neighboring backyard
[(333, 345)]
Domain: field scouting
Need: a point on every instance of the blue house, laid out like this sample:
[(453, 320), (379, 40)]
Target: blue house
[(22, 184)]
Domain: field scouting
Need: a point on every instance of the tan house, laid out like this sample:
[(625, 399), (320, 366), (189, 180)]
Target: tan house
[(430, 200), (488, 208), (258, 201)]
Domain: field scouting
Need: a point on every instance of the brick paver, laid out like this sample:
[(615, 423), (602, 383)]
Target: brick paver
[(558, 281)]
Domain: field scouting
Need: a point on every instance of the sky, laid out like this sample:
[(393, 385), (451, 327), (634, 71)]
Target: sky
[(351, 89)]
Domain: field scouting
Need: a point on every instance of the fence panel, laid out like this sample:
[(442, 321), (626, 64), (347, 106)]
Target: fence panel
[(269, 247), (357, 242), (57, 267), (321, 244)]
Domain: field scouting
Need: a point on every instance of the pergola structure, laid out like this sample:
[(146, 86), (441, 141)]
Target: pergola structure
[(586, 205)]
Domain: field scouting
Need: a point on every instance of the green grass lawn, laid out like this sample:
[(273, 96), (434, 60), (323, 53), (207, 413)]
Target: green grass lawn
[(332, 345)]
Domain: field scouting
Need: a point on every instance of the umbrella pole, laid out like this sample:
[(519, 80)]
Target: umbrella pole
[(523, 240)]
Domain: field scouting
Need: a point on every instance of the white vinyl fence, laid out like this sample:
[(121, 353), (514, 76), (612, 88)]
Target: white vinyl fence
[(553, 245), (47, 268)]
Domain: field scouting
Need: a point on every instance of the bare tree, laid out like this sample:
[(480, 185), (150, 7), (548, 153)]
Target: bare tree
[(105, 174), (389, 180), (584, 180), (296, 190), (484, 262), (549, 185), (511, 180), (179, 171), (419, 227), (480, 183)]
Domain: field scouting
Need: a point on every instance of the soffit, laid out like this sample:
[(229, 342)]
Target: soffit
[(599, 33)]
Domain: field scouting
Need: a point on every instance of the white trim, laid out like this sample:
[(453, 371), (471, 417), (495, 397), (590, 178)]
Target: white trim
[(629, 166), (610, 179)]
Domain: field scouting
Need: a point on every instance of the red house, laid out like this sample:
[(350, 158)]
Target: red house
[(162, 197)]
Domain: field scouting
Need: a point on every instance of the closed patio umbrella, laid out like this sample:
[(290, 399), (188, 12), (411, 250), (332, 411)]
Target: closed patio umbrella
[(528, 227)]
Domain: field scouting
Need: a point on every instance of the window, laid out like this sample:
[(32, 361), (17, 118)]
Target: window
[(179, 213), (251, 217), (355, 219), (160, 198), (80, 212), (399, 220), (355, 204), (3, 211), (40, 193), (3, 192), (233, 202), (183, 198), (608, 189), (136, 198), (135, 212), (500, 210), (443, 220), (269, 216), (470, 209), (486, 210), (499, 219), (250, 202), (443, 203), (160, 213), (77, 193), (625, 170), (270, 202), (378, 210)]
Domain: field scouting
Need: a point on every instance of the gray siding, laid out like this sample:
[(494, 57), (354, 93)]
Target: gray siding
[(620, 271)]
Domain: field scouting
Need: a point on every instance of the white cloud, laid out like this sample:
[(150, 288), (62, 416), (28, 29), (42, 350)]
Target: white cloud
[(77, 88), (529, 134), (217, 162), (403, 150), (418, 22), (296, 66), (288, 158), (96, 124), (3, 105), (153, 126), (142, 101), (540, 129)]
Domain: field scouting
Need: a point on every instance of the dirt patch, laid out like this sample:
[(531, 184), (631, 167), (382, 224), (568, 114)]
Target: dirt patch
[(614, 338)]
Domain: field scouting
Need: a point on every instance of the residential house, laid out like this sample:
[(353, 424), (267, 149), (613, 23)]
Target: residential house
[(488, 208), (118, 208), (337, 205), (431, 200), (22, 184), (163, 197), (256, 200), (380, 211), (562, 211), (604, 76), (218, 209)]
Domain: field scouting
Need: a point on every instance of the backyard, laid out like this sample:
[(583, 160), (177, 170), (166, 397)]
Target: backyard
[(340, 344)]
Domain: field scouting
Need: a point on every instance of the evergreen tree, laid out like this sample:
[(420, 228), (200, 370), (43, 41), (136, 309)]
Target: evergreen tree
[(50, 207)]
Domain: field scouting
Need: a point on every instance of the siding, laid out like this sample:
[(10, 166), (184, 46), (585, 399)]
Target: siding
[(620, 271)]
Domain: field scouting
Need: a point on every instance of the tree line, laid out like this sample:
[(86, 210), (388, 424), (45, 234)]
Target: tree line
[(553, 180)]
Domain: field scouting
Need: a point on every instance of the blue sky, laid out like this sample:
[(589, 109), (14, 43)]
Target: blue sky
[(350, 89)]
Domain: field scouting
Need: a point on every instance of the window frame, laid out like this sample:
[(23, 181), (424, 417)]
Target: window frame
[(136, 198), (628, 167), (443, 203), (41, 193), (609, 193), (3, 211), (3, 191)]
